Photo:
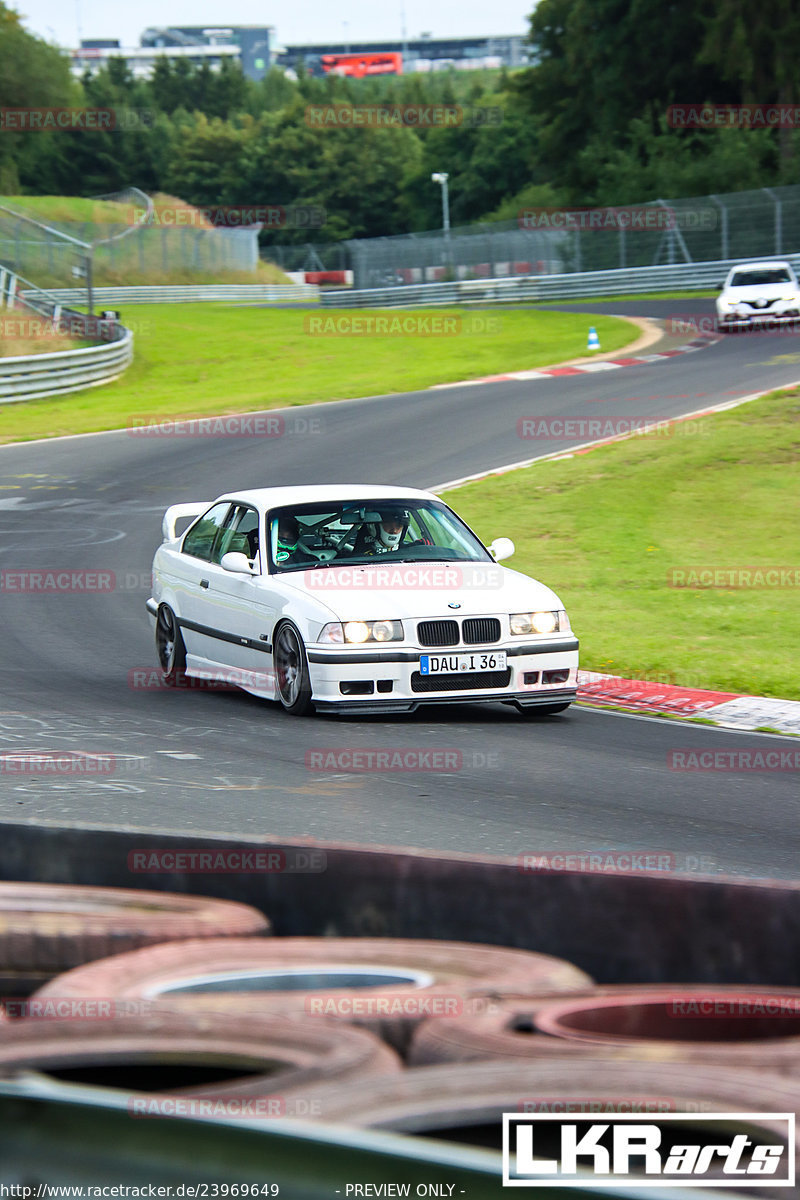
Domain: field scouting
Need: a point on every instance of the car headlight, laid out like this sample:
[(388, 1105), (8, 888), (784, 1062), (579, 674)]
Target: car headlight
[(358, 632), (539, 622)]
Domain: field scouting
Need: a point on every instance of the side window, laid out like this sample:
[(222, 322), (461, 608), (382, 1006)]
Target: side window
[(240, 534), (199, 541)]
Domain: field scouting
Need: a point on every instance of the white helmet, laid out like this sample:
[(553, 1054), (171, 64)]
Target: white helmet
[(398, 522)]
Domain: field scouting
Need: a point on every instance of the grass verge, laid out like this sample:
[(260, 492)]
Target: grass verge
[(608, 530), (202, 359)]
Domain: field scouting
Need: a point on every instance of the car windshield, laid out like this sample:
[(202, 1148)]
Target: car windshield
[(308, 536), (759, 278)]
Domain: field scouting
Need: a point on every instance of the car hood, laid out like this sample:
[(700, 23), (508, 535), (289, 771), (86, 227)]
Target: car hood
[(417, 590)]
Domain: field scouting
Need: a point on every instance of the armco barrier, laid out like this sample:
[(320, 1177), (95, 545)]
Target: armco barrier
[(37, 375), (255, 293), (588, 284)]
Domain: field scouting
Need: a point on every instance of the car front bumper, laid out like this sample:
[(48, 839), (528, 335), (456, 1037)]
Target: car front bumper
[(389, 680)]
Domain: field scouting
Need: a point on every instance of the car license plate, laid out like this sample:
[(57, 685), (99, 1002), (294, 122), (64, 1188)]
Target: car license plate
[(461, 663)]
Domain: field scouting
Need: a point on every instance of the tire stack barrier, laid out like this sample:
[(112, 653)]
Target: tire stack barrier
[(193, 1055), (201, 1005), (386, 985), (726, 1025), (48, 928)]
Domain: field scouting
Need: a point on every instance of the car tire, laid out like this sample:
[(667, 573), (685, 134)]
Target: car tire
[(170, 647), (748, 1027), (189, 1054), (292, 680), (402, 981), (46, 927), (465, 1103)]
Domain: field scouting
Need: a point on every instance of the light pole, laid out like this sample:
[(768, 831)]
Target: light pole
[(442, 177)]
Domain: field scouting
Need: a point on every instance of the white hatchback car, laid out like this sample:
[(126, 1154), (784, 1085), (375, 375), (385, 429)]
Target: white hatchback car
[(758, 292), (354, 599)]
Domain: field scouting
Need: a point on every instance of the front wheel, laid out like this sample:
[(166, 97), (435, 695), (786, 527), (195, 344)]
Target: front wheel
[(170, 647), (291, 671)]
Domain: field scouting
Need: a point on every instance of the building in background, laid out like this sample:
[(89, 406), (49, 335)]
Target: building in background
[(253, 48), (418, 54), (248, 46)]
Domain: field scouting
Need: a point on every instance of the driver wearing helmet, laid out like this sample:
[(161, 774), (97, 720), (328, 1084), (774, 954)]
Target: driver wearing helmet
[(288, 551), (385, 537)]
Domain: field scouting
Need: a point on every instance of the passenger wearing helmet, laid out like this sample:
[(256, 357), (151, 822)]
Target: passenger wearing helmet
[(288, 549)]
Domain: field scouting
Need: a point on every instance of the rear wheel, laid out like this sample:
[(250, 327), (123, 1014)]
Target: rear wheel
[(291, 671), (170, 647)]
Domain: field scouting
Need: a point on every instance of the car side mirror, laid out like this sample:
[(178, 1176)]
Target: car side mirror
[(501, 548), (236, 563)]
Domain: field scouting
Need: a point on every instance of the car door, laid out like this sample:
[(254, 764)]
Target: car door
[(196, 615), (239, 619)]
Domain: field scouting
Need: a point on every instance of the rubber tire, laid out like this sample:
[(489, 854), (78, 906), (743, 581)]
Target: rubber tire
[(172, 663), (49, 927), (436, 1100), (518, 1030), (302, 705), (265, 1053), (462, 974)]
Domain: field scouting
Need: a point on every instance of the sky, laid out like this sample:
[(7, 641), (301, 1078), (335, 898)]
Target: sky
[(60, 21)]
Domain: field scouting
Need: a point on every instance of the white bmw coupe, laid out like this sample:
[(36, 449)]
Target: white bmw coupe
[(354, 600)]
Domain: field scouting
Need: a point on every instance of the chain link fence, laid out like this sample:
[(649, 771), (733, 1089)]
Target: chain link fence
[(733, 225), (134, 242)]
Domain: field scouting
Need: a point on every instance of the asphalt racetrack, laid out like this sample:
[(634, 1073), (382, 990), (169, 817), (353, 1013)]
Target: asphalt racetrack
[(225, 762)]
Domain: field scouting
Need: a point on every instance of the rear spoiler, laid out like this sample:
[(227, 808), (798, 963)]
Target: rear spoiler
[(174, 514)]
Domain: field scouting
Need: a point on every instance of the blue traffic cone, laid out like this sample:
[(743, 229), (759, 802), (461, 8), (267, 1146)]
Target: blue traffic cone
[(594, 341)]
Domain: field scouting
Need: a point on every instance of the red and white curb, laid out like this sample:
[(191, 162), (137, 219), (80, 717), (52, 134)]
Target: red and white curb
[(729, 709), (608, 364)]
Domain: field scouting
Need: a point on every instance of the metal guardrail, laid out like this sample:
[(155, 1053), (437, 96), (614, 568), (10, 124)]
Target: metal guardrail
[(193, 293), (590, 284), (34, 376)]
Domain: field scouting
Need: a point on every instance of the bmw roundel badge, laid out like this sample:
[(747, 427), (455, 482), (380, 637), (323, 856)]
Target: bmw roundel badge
[(453, 604)]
